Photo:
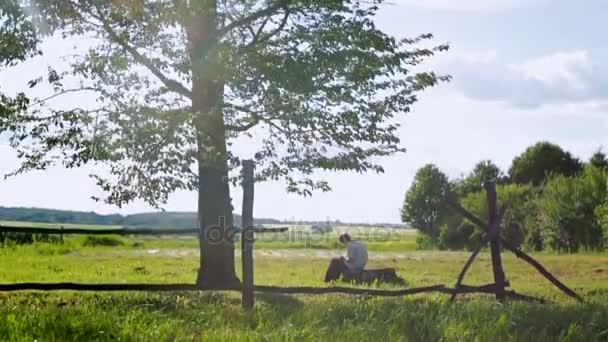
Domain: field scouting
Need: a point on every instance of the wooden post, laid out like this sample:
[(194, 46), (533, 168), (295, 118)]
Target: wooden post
[(61, 235), (494, 237), (247, 235)]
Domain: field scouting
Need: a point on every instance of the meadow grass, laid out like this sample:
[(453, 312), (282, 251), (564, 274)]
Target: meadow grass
[(211, 316)]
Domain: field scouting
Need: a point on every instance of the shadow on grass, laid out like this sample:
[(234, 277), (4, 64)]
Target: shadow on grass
[(279, 299)]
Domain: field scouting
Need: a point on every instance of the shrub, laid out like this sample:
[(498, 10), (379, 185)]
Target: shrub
[(424, 242), (16, 238), (519, 199), (601, 217), (91, 241), (47, 238), (455, 237), (567, 214)]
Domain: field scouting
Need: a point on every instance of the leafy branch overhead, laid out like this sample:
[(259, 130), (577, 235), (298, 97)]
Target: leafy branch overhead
[(312, 84)]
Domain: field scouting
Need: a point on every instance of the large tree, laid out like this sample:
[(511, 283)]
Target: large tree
[(539, 161), (314, 82)]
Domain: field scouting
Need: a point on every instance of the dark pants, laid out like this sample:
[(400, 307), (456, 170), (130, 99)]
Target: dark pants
[(337, 266)]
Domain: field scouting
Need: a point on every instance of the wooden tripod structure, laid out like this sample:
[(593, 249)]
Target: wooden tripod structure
[(492, 236)]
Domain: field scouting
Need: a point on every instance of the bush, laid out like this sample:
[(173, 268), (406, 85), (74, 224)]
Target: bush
[(17, 238), (601, 217), (14, 238), (519, 199), (567, 211), (424, 242), (47, 238), (91, 241), (456, 237)]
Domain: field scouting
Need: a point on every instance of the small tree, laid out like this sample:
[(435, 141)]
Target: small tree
[(540, 160), (424, 207), (599, 160), (484, 171)]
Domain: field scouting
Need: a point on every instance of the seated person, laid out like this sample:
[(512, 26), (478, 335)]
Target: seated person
[(355, 261)]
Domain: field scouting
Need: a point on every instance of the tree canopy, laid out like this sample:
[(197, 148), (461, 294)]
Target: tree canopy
[(541, 159), (599, 160), (484, 171)]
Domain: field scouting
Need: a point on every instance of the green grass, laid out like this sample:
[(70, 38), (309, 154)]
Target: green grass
[(284, 260)]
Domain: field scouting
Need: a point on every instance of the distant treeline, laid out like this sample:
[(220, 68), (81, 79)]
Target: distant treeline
[(553, 200), (176, 220)]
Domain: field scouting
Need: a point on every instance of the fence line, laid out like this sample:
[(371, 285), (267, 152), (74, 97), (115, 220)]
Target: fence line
[(303, 290)]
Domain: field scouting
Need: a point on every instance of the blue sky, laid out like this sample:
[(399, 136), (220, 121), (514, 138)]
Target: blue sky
[(523, 71)]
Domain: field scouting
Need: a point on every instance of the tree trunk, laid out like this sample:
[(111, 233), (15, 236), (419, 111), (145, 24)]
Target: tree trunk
[(214, 203), (216, 238)]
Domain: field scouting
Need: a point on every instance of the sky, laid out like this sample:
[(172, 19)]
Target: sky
[(523, 71)]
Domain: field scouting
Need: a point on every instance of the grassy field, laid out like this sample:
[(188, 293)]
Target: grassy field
[(290, 260)]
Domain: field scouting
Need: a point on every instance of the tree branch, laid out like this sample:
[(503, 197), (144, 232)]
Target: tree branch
[(63, 92), (171, 84), (243, 128), (257, 39), (252, 17)]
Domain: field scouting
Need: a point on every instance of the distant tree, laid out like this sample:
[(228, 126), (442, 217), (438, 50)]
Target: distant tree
[(177, 82), (599, 160), (540, 160), (424, 207), (483, 172)]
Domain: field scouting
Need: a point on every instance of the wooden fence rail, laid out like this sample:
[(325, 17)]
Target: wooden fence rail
[(303, 290)]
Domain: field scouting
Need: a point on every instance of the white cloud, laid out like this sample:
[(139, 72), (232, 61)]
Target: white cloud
[(571, 76), (479, 57), (567, 69), (470, 5)]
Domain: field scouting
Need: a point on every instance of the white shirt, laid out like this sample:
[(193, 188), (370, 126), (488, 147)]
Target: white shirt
[(356, 253)]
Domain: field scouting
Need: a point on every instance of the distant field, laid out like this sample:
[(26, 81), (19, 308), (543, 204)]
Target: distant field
[(298, 236)]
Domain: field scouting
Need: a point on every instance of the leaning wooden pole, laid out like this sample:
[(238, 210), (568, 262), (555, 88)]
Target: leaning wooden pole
[(494, 237), (466, 267), (247, 234), (543, 271)]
